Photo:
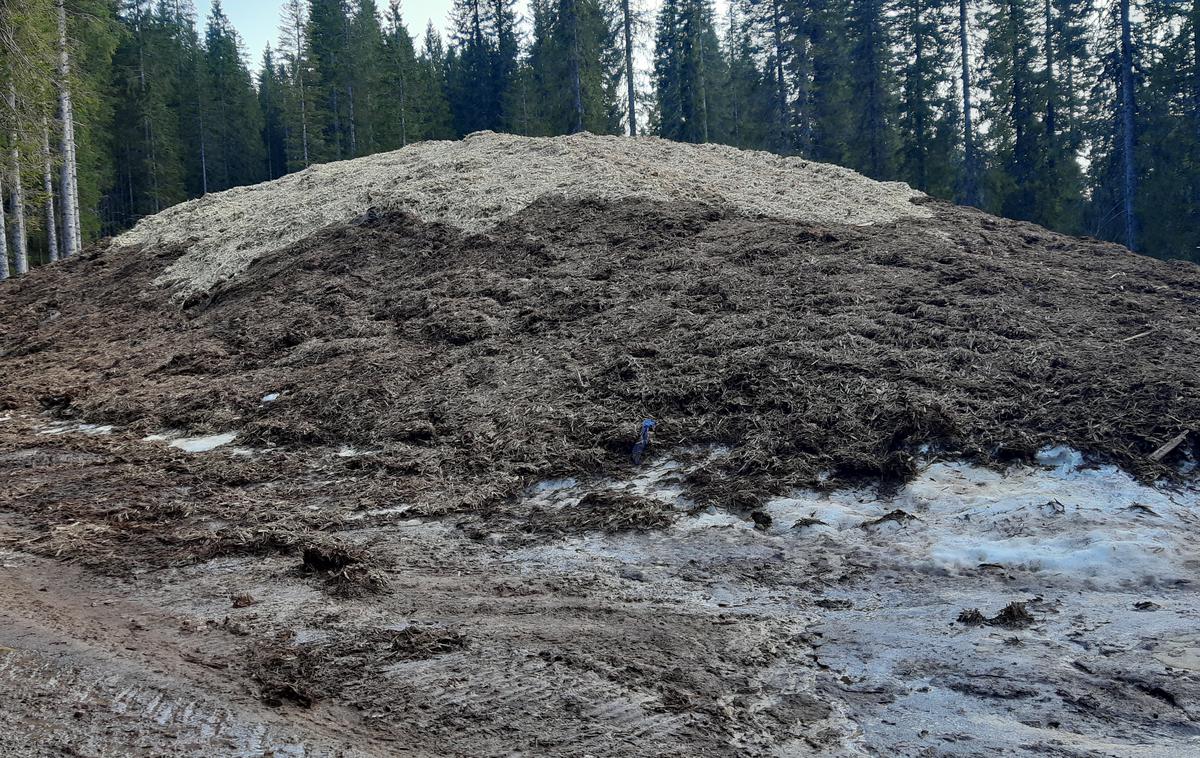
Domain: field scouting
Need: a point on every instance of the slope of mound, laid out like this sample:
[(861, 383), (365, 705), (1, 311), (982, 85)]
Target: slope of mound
[(474, 364), (486, 178), (381, 476)]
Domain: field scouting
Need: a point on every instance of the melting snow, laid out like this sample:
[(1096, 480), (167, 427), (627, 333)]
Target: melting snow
[(1104, 564), (1095, 525), (203, 444), (345, 451), (63, 427)]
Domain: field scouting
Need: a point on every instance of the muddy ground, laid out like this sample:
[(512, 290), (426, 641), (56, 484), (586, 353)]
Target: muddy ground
[(424, 535)]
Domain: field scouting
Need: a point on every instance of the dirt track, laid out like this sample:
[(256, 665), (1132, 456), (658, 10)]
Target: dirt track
[(444, 404), (710, 637)]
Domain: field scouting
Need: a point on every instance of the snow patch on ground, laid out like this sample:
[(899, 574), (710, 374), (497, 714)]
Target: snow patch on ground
[(478, 182), (1105, 566), (202, 444), (67, 427), (1095, 526)]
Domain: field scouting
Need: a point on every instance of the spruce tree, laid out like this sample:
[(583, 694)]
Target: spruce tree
[(92, 33), (1167, 203), (970, 186), (146, 68), (503, 57), (531, 100), (271, 79), (1011, 112), (474, 100), (366, 79), (232, 120), (749, 90), (691, 74), (431, 88), (585, 40), (928, 117), (328, 52), (304, 120), (826, 104), (401, 122), (872, 140)]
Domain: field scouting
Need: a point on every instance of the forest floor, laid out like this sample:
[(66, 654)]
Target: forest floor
[(372, 494)]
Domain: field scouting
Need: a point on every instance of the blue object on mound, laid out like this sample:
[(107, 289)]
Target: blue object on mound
[(639, 447)]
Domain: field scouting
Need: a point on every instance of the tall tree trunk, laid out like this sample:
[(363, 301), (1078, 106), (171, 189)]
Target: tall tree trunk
[(304, 123), (337, 123), (403, 87), (225, 141), (48, 189), (1129, 181), (1051, 80), (920, 136), (350, 118), (573, 65), (298, 74), (780, 84), (1196, 66), (876, 159), (147, 126), (735, 90), (20, 242), (3, 234), (699, 31), (200, 122), (524, 107), (1022, 154), (203, 154), (72, 235), (629, 86), (970, 160), (1196, 95), (701, 25)]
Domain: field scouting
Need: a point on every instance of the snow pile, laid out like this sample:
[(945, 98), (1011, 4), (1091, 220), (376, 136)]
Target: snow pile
[(478, 182)]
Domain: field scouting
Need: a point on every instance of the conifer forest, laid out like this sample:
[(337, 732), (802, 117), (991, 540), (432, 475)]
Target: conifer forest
[(1079, 115)]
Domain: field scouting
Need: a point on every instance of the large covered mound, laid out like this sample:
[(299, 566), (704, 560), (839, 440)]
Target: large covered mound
[(474, 184), (334, 484), (475, 364)]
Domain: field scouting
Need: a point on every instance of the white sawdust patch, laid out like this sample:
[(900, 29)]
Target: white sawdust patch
[(475, 183)]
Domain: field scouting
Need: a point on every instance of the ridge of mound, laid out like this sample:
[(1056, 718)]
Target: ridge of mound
[(477, 182), (474, 365)]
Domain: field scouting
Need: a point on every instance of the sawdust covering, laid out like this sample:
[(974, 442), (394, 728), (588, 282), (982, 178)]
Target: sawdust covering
[(475, 183)]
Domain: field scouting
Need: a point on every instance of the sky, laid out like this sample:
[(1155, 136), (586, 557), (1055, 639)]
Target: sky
[(258, 20)]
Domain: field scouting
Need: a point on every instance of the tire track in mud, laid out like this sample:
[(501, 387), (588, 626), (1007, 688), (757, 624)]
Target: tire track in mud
[(81, 673)]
